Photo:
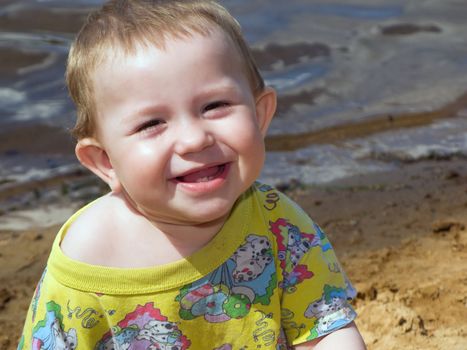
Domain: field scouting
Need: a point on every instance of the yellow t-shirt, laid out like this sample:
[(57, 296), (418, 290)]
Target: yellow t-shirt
[(268, 280)]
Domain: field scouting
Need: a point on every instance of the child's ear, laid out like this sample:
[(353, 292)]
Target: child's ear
[(93, 156), (266, 104)]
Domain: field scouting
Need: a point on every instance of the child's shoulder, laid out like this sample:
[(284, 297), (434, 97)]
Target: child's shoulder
[(276, 201), (89, 234)]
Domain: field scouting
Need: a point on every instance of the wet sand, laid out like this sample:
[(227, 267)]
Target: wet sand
[(401, 237), (364, 128)]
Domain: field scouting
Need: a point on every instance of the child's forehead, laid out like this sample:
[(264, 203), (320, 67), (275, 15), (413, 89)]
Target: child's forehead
[(192, 40), (215, 42), (209, 56)]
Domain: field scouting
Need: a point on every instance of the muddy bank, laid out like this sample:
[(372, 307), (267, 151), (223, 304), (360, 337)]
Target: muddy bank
[(367, 127)]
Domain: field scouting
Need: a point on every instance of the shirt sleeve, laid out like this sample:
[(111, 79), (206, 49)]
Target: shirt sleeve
[(315, 290)]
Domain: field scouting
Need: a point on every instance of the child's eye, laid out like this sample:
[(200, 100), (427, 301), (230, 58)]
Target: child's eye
[(215, 105), (150, 125)]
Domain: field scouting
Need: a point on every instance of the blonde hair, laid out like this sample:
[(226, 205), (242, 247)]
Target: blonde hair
[(125, 24)]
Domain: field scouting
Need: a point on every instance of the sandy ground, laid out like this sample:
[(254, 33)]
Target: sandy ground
[(401, 236)]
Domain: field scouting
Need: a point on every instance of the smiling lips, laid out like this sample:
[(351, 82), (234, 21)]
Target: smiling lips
[(203, 175)]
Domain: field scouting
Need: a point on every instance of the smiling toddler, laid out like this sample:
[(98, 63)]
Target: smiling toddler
[(187, 251)]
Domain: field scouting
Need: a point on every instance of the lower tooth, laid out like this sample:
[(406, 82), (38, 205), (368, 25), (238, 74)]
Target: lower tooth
[(204, 179)]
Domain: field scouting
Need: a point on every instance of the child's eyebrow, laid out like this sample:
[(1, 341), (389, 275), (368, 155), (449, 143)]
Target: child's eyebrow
[(225, 88), (151, 110)]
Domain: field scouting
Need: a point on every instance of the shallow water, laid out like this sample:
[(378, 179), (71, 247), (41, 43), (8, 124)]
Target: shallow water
[(333, 64)]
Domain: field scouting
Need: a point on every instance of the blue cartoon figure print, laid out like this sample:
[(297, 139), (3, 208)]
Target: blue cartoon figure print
[(330, 311), (49, 333), (247, 277)]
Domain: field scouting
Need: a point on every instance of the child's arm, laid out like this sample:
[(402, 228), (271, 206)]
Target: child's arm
[(347, 338)]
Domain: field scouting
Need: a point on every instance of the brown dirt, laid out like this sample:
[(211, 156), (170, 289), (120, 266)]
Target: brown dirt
[(401, 237)]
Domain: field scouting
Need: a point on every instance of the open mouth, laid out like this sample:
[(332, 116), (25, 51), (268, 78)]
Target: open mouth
[(203, 175)]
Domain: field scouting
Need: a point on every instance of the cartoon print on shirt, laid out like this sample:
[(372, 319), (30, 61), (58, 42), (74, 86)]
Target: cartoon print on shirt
[(331, 322), (229, 347), (292, 245), (289, 323), (331, 311), (264, 334), (37, 295), (282, 343), (251, 258), (122, 339), (272, 196), (247, 277), (49, 333), (89, 316), (333, 299), (144, 328), (325, 246)]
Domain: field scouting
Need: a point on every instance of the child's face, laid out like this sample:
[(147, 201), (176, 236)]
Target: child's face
[(179, 130)]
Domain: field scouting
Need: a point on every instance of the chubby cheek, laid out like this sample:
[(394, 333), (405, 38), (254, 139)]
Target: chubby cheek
[(243, 131), (249, 145), (140, 165)]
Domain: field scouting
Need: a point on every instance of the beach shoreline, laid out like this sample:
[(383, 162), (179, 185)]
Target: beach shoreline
[(401, 237)]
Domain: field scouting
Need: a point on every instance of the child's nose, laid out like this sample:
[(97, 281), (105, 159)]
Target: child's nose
[(192, 136)]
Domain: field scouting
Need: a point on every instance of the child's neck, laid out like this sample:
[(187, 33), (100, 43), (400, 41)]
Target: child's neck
[(108, 234), (175, 240), (187, 239)]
